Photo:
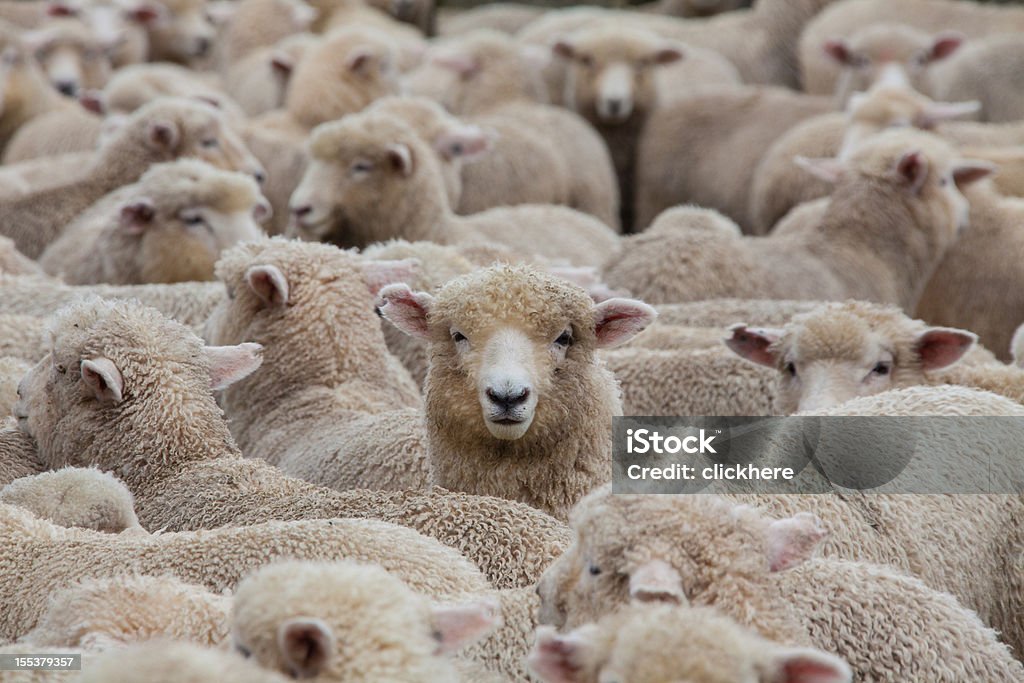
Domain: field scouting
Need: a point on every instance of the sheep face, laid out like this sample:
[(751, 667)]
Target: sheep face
[(654, 549), (73, 58), (185, 35), (511, 349), (610, 77), (339, 621), (842, 351), (893, 54)]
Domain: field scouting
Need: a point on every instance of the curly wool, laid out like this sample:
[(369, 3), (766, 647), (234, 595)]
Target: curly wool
[(75, 497)]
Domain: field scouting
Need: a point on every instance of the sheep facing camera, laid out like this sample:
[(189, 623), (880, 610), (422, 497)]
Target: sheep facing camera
[(816, 454)]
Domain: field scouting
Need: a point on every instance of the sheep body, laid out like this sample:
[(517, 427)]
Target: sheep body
[(75, 497)]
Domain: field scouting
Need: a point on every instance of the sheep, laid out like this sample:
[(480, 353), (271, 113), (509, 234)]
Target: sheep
[(188, 473), (617, 77), (11, 372), (724, 133), (170, 226), (173, 662), (896, 209), (841, 351), (491, 81), (259, 24), (724, 312), (763, 573), (652, 643), (55, 557), (372, 178), (160, 131), (139, 84), (819, 71), (76, 497), (185, 35), (26, 92), (341, 621), (54, 133), (259, 81), (504, 17), (780, 183), (286, 295), (985, 70), (71, 55), (18, 456), (115, 611), (510, 347), (13, 262)]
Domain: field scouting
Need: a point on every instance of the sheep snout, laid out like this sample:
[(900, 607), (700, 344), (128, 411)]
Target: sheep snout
[(507, 396)]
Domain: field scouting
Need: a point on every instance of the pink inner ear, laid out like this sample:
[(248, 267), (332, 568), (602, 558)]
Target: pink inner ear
[(809, 671), (406, 309), (837, 50), (941, 348), (946, 45), (619, 320), (913, 167), (754, 344), (553, 658), (793, 541)]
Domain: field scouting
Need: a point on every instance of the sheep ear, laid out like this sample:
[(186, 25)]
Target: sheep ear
[(804, 665), (936, 112), (824, 168), (93, 101), (147, 14), (60, 9), (400, 158), (656, 581), (940, 347), (359, 60), (754, 343), (104, 379), (667, 55), (380, 273), (282, 63), (306, 646), (560, 658), (163, 135), (137, 215), (792, 541), (407, 310), (563, 48), (456, 626), (838, 50), (912, 167), (945, 44), (618, 320), (228, 364), (969, 171), (466, 143), (269, 284)]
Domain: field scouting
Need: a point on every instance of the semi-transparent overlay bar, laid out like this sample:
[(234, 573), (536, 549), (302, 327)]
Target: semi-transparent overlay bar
[(40, 662), (935, 455)]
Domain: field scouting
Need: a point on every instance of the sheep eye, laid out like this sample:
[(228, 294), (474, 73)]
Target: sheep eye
[(791, 369), (458, 337), (564, 339), (882, 369), (594, 570), (209, 142), (193, 219), (244, 651), (362, 167)]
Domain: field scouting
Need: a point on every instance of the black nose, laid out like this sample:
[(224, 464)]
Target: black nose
[(615, 107), (260, 176), (509, 399), (202, 46), (69, 88)]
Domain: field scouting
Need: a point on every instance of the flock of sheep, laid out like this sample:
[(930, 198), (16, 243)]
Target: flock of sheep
[(314, 319)]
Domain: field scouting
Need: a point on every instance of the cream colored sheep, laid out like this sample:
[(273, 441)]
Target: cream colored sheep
[(505, 17), (511, 348), (75, 497), (721, 313), (493, 82), (11, 372), (170, 226), (54, 133), (71, 54), (27, 93), (18, 456), (657, 643), (259, 81), (895, 211), (257, 24), (842, 351), (343, 621), (368, 429), (763, 573), (618, 77), (187, 473), (372, 178), (55, 557), (20, 179), (184, 35), (139, 84), (723, 133), (172, 662), (985, 70), (13, 262), (161, 131)]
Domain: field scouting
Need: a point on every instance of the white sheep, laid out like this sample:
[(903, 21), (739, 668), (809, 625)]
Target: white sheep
[(173, 662)]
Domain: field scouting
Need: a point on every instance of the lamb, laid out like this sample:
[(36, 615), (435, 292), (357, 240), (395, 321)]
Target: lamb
[(11, 372), (139, 84), (614, 80), (259, 24), (160, 131), (70, 53), (55, 557), (18, 456), (895, 211), (188, 473), (763, 573), (656, 643), (172, 662), (985, 70), (170, 226), (259, 81), (341, 621), (724, 133), (510, 348), (27, 92), (491, 81), (185, 35), (372, 179), (76, 497), (841, 351), (54, 133), (367, 429), (819, 72)]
